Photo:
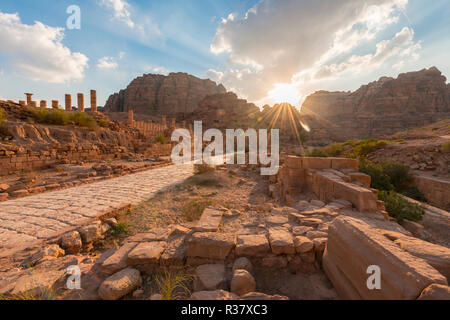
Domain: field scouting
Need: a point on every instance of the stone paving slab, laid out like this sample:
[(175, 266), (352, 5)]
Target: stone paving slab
[(28, 222)]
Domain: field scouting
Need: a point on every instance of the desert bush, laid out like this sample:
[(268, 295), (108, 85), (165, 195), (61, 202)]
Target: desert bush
[(120, 228), (193, 208), (399, 174), (316, 153), (400, 208), (161, 139), (380, 180), (82, 119), (53, 116), (446, 147), (174, 285), (364, 147), (414, 193), (2, 116), (203, 168), (334, 150), (104, 123)]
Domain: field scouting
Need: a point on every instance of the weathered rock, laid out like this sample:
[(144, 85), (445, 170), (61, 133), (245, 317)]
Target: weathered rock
[(210, 245), (117, 261), (209, 221), (435, 292), (175, 252), (413, 227), (210, 277), (91, 232), (407, 276), (316, 234), (317, 203), (158, 94), (146, 253), (301, 230), (262, 296), (120, 284), (303, 244), (252, 245), (71, 242), (138, 294), (243, 263), (272, 261), (281, 241), (242, 282), (277, 220), (214, 295)]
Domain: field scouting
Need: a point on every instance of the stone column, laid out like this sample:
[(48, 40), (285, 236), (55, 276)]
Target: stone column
[(68, 102), (130, 117), (164, 122), (43, 104), (93, 101), (80, 102), (55, 104), (29, 98), (172, 125), (190, 127), (22, 103), (34, 104), (184, 124)]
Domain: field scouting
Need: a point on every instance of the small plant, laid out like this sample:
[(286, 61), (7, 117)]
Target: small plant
[(82, 119), (119, 229), (174, 285), (399, 174), (364, 147), (2, 116), (380, 180), (161, 139), (193, 208), (316, 153), (104, 123), (400, 208), (203, 168), (446, 147), (334, 150), (414, 193)]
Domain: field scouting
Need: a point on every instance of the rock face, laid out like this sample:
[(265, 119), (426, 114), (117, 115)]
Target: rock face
[(156, 94), (382, 107)]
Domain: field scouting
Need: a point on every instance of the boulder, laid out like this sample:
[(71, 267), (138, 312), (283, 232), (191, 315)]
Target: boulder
[(146, 253), (120, 284), (242, 282), (210, 277), (214, 295), (243, 263), (435, 292), (303, 244), (118, 260), (71, 242)]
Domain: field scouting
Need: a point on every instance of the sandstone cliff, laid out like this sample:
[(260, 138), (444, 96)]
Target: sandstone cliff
[(155, 94), (382, 107)]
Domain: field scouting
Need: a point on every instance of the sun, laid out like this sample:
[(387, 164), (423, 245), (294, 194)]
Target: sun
[(285, 93)]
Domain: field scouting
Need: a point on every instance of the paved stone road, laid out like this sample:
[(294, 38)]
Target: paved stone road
[(28, 222)]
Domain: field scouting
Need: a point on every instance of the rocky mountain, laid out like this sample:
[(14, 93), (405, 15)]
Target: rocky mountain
[(155, 94), (382, 107)]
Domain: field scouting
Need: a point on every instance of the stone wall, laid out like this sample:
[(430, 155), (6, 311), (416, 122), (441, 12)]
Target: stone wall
[(437, 191), (353, 246), (328, 179)]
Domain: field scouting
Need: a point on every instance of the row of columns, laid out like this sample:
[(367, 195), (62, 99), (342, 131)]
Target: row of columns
[(150, 127), (68, 102)]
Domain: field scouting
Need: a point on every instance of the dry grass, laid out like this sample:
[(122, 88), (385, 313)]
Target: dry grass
[(174, 285), (193, 208)]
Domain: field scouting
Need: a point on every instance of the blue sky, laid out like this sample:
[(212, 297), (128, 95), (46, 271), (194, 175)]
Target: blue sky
[(265, 50)]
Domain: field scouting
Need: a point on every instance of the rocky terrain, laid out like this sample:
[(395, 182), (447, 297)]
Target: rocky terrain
[(155, 94), (382, 107)]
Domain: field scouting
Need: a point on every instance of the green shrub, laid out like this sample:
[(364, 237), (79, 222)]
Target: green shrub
[(2, 116), (399, 174), (119, 229), (161, 139), (364, 147), (82, 119), (400, 208), (52, 116), (334, 150), (414, 193), (380, 180), (316, 153), (446, 147), (104, 123)]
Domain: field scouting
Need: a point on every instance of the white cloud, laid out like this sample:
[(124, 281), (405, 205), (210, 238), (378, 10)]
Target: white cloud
[(120, 10), (293, 41), (37, 52), (157, 69), (107, 63)]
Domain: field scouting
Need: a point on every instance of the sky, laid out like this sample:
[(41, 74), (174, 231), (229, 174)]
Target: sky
[(266, 51)]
